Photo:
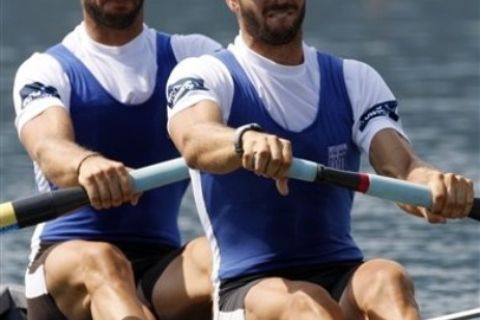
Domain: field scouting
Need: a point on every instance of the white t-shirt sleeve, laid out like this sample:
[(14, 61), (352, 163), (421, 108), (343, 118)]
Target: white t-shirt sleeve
[(192, 45), (373, 103), (40, 83), (197, 79)]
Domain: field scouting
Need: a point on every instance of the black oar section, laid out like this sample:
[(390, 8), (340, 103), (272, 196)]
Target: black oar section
[(475, 213), (361, 182), (43, 207), (346, 179), (46, 206)]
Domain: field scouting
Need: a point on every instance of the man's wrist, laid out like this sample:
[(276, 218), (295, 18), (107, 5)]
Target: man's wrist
[(87, 156), (239, 132)]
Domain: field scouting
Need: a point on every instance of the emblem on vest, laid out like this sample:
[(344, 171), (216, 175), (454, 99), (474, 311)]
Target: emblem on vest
[(336, 156)]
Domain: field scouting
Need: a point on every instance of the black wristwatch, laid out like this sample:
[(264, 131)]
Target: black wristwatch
[(240, 131)]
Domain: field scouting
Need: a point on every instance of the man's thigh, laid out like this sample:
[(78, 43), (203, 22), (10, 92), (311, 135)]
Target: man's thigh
[(319, 286), (377, 286), (278, 298), (53, 281)]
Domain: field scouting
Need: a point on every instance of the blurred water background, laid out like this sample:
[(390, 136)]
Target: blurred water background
[(428, 52)]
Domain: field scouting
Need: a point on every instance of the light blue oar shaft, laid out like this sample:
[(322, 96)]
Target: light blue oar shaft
[(374, 185), (167, 172), (303, 170), (159, 174), (42, 207), (46, 206), (399, 191), (378, 186)]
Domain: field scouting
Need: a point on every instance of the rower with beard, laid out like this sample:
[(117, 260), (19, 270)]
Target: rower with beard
[(88, 110), (285, 252)]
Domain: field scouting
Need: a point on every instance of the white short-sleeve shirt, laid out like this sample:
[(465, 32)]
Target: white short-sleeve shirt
[(127, 72), (290, 93)]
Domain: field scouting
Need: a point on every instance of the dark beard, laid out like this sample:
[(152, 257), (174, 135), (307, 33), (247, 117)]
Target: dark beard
[(259, 30), (118, 22)]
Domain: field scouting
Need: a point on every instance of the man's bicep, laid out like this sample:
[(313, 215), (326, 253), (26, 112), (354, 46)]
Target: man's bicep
[(197, 79), (391, 154), (54, 123), (373, 104), (183, 122)]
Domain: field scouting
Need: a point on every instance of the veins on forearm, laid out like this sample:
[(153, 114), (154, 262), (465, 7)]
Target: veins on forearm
[(58, 161), (209, 147)]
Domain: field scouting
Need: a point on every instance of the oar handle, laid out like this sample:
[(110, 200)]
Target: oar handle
[(42, 207), (159, 174), (378, 186), (46, 206)]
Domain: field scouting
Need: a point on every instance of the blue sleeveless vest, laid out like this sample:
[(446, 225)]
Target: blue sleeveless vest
[(135, 135), (257, 229)]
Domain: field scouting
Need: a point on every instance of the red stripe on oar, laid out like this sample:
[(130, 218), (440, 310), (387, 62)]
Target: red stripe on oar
[(364, 182)]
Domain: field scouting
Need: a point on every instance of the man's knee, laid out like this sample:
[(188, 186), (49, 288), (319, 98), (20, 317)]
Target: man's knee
[(392, 273), (200, 254), (87, 267), (103, 263), (198, 262), (389, 280)]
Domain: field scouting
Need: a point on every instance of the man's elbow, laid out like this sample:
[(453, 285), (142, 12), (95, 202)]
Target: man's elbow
[(187, 148), (191, 158)]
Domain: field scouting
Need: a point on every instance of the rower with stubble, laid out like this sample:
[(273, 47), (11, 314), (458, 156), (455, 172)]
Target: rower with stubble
[(284, 249), (88, 110)]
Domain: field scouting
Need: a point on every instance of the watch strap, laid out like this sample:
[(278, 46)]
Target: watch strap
[(239, 132)]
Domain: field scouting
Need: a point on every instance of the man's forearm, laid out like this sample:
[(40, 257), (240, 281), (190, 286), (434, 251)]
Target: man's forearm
[(209, 147), (59, 160)]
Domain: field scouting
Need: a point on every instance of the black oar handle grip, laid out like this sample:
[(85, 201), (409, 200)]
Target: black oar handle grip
[(46, 206), (43, 207)]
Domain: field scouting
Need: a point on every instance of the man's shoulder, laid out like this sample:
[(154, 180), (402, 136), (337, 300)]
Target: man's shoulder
[(192, 45), (39, 62), (358, 69), (319, 52), (352, 67), (206, 64)]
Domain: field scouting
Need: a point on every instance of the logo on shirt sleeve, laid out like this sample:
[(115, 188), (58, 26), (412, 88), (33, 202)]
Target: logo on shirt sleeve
[(36, 90), (183, 86), (384, 109)]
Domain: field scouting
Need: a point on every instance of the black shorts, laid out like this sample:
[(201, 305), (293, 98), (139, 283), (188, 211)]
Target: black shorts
[(332, 277), (148, 263)]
